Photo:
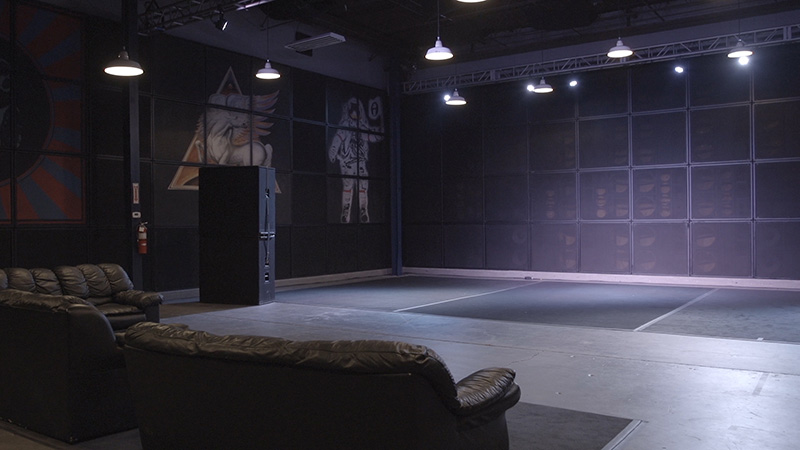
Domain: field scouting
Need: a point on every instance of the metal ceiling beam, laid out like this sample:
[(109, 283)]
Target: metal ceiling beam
[(156, 19), (663, 52)]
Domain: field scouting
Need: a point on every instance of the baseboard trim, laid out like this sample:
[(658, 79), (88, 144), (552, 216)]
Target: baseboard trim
[(611, 278)]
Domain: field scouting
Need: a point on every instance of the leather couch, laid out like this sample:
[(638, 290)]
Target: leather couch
[(62, 369), (105, 286), (193, 389)]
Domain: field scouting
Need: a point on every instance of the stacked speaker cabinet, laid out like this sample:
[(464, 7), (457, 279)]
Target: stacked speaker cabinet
[(237, 234)]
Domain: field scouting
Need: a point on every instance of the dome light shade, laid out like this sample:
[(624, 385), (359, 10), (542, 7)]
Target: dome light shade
[(268, 72), (123, 66), (542, 87), (620, 50), (739, 51), (438, 52), (456, 99)]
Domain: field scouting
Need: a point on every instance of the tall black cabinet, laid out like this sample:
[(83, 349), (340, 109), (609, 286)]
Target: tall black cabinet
[(237, 234)]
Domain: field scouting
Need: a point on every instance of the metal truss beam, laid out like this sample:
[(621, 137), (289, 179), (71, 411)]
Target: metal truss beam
[(156, 19), (663, 52)]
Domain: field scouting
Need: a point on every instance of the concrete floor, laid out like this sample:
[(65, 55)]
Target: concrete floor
[(689, 392)]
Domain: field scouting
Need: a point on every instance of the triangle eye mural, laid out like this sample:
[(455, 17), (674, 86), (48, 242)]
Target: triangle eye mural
[(42, 119), (229, 133)]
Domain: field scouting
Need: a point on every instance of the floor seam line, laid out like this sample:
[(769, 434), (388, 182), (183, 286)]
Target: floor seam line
[(676, 310), (463, 298)]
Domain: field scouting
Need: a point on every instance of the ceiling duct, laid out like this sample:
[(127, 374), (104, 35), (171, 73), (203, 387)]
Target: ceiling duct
[(314, 42)]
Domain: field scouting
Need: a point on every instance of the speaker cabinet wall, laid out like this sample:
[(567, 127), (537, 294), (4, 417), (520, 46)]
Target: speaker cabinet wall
[(237, 235)]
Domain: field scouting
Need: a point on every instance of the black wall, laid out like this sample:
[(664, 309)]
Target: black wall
[(637, 170), (297, 116)]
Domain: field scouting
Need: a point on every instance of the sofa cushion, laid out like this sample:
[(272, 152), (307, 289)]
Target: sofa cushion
[(3, 279), (117, 277), (46, 281), (96, 280), (72, 281), (20, 279)]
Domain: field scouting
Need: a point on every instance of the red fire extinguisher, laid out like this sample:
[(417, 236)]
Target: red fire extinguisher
[(142, 238)]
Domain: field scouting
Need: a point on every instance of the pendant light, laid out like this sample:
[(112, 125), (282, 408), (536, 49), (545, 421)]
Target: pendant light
[(438, 52), (455, 99), (740, 50), (268, 72), (620, 50), (123, 66), (541, 87)]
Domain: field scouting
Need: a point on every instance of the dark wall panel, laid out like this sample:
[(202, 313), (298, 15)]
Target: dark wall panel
[(51, 247), (603, 92), (777, 131), (721, 249), (309, 250), (553, 146), (507, 198), (343, 249), (374, 247), (659, 194), (423, 246), (177, 265), (778, 190), (605, 248), (507, 247), (554, 247), (720, 134), (462, 200), (505, 150), (657, 86), (464, 246), (777, 245), (603, 142), (604, 195), (659, 139), (721, 192), (553, 196), (660, 248)]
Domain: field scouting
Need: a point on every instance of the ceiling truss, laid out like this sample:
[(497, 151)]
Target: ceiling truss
[(156, 19), (663, 52)]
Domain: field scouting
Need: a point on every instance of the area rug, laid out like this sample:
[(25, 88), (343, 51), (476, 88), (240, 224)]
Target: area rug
[(537, 427)]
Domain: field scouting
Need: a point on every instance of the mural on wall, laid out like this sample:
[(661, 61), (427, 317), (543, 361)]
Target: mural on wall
[(228, 136), (46, 115), (350, 148)]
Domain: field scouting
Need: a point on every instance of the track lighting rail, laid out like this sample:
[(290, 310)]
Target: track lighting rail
[(662, 52)]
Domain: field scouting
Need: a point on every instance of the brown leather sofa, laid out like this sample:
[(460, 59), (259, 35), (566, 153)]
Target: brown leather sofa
[(193, 390), (105, 286)]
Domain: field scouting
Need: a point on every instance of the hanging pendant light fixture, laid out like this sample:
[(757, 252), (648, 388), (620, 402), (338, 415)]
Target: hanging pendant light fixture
[(123, 66), (620, 50), (268, 72), (740, 50), (455, 99), (438, 52), (541, 87)]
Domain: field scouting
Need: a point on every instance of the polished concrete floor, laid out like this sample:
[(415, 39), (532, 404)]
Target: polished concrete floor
[(688, 391)]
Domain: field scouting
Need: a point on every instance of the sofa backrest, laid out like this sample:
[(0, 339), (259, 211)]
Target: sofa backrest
[(343, 356), (84, 281)]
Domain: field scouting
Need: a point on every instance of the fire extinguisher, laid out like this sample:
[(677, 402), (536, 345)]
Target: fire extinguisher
[(141, 232)]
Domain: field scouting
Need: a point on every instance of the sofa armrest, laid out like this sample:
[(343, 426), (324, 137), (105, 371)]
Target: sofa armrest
[(140, 299), (483, 388)]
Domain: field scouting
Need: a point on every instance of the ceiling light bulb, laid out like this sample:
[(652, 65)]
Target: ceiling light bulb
[(744, 60), (530, 87), (123, 66), (620, 50), (739, 51), (573, 83), (268, 72), (438, 52), (456, 99), (542, 87), (679, 69)]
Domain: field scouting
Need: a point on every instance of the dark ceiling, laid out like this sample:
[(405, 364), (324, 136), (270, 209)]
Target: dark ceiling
[(405, 29)]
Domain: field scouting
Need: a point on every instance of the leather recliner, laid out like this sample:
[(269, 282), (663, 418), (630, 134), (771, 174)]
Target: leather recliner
[(193, 389), (62, 370)]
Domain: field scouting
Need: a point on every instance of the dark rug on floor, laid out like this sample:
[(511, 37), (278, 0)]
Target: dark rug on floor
[(169, 310), (536, 427), (579, 304)]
